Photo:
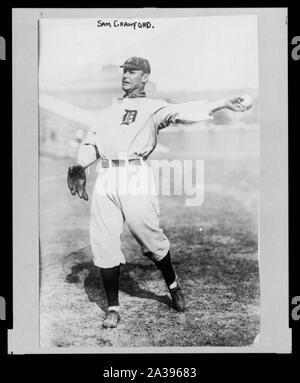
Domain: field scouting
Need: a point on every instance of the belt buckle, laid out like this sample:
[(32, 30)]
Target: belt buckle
[(120, 162)]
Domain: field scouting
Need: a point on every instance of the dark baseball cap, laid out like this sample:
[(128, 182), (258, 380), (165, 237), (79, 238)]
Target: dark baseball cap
[(137, 63)]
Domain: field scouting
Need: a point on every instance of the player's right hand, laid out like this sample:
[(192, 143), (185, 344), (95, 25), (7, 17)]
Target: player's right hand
[(77, 181), (235, 104)]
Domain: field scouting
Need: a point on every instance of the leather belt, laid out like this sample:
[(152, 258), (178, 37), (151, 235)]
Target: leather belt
[(105, 163)]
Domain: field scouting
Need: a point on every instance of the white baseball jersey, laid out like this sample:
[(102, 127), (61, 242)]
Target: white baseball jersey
[(129, 127)]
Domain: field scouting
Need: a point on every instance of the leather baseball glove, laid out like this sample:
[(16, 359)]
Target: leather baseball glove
[(77, 181)]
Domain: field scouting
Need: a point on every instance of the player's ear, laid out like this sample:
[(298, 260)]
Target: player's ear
[(145, 77)]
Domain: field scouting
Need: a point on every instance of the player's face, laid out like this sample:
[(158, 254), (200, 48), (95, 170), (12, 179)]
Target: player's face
[(133, 80)]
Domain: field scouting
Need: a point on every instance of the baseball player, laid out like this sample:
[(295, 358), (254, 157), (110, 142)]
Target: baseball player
[(122, 138)]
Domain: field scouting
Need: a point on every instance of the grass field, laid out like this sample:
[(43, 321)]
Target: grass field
[(217, 266)]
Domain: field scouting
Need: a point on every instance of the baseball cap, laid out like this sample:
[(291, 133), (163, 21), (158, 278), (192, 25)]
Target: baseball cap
[(138, 63)]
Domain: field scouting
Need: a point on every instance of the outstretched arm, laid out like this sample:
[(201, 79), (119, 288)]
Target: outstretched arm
[(234, 104), (196, 111)]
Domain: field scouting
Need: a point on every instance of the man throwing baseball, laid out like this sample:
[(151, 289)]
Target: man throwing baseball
[(122, 138)]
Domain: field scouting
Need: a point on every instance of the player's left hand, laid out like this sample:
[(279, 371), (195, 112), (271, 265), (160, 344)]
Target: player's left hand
[(77, 181), (235, 104)]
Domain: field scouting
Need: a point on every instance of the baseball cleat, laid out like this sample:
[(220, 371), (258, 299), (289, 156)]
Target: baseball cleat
[(111, 319), (178, 299)]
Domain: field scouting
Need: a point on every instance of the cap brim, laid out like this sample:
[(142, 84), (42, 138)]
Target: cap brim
[(131, 66), (134, 67)]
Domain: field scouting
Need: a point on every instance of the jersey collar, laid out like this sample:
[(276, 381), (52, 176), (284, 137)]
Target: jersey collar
[(134, 95)]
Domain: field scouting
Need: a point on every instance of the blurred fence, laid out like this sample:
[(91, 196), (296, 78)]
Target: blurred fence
[(65, 110), (60, 137)]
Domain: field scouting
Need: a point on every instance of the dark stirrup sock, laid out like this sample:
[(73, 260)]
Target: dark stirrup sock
[(110, 279), (166, 267)]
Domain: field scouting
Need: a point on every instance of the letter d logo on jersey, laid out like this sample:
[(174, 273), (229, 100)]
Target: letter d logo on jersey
[(129, 117)]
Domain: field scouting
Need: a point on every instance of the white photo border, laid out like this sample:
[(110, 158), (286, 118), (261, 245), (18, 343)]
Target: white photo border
[(275, 334)]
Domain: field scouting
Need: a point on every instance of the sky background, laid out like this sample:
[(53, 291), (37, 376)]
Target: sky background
[(203, 53)]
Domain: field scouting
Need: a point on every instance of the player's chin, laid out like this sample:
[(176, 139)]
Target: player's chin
[(125, 86)]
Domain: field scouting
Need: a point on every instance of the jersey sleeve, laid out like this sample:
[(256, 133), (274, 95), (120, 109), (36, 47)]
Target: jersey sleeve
[(88, 151), (185, 113)]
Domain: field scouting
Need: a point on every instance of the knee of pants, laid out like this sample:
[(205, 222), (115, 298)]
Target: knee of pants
[(106, 249), (106, 254), (157, 253)]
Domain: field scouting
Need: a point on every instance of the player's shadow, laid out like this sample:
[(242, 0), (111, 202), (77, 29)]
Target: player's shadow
[(89, 274)]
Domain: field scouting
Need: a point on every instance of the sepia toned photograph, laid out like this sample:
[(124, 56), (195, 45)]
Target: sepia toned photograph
[(149, 182)]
